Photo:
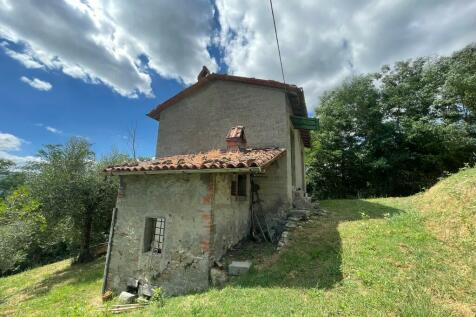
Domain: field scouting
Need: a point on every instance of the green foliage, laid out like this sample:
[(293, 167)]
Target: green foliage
[(9, 177), (74, 194), (397, 131), (56, 207), (20, 222), (157, 297)]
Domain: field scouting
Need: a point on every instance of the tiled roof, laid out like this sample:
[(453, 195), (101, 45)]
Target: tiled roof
[(215, 160), (295, 94)]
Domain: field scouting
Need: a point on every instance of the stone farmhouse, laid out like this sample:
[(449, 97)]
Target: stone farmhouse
[(229, 164)]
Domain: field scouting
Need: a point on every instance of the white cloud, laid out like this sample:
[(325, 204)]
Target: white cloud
[(121, 43), (26, 59), (116, 43), (37, 83), (19, 160), (322, 42), (53, 130), (11, 143)]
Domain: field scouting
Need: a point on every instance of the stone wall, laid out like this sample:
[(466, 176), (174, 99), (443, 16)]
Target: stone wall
[(200, 121), (185, 201), (273, 190), (231, 215), (203, 221)]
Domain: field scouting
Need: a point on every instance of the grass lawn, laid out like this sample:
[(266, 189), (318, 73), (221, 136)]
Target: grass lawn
[(58, 289), (410, 256)]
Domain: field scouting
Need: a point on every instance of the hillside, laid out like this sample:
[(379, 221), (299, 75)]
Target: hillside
[(409, 256)]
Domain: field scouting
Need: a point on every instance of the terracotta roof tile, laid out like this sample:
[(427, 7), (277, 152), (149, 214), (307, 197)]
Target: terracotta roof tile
[(212, 160)]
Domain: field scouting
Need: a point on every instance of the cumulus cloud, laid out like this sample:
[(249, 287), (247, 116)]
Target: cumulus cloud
[(322, 42), (116, 43), (37, 83), (122, 43), (11, 143)]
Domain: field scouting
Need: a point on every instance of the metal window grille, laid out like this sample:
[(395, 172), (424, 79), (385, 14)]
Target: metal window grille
[(158, 238)]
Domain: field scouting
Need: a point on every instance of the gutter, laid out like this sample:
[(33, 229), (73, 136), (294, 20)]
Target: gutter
[(191, 171)]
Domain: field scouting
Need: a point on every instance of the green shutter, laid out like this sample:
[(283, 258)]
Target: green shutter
[(304, 123)]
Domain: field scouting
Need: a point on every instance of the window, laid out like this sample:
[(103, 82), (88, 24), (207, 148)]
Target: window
[(154, 235), (238, 185)]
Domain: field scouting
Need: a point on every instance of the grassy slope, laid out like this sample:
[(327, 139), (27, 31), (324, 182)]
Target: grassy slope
[(57, 289), (377, 257)]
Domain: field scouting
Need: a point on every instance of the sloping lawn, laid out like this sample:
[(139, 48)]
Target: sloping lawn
[(366, 258), (58, 289), (410, 256)]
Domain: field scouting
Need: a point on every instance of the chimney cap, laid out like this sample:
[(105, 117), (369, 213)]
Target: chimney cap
[(236, 132), (235, 138), (203, 73)]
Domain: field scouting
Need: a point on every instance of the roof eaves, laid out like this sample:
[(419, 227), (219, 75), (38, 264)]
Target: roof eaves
[(155, 113), (189, 171)]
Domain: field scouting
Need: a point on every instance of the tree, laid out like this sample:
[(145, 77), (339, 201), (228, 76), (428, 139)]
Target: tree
[(397, 131), (10, 178), (73, 192), (132, 140), (20, 222)]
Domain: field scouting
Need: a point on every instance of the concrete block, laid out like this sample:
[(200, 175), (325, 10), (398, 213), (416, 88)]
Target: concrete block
[(127, 298), (239, 267)]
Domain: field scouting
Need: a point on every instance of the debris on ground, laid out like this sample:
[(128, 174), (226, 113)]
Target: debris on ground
[(218, 277), (107, 296), (126, 297)]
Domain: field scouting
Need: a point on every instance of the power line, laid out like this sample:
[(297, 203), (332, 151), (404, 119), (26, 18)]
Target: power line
[(277, 42)]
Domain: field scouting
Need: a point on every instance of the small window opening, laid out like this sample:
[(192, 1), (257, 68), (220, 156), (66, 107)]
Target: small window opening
[(238, 185), (154, 235)]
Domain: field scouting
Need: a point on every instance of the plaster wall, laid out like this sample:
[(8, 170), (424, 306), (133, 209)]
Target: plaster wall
[(274, 190), (231, 215), (185, 201)]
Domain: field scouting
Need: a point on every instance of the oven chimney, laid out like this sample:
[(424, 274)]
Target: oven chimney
[(235, 139)]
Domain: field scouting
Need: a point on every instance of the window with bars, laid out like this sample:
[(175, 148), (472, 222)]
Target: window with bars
[(154, 235)]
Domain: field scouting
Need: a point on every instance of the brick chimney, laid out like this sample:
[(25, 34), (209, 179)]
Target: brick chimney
[(235, 139)]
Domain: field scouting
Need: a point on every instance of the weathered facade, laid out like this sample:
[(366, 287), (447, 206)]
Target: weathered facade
[(179, 214)]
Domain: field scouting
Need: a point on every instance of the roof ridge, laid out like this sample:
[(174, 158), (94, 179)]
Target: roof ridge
[(155, 113)]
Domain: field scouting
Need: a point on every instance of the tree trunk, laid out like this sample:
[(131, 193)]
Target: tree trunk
[(84, 251)]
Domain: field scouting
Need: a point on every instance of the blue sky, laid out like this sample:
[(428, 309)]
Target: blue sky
[(94, 68), (75, 108)]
